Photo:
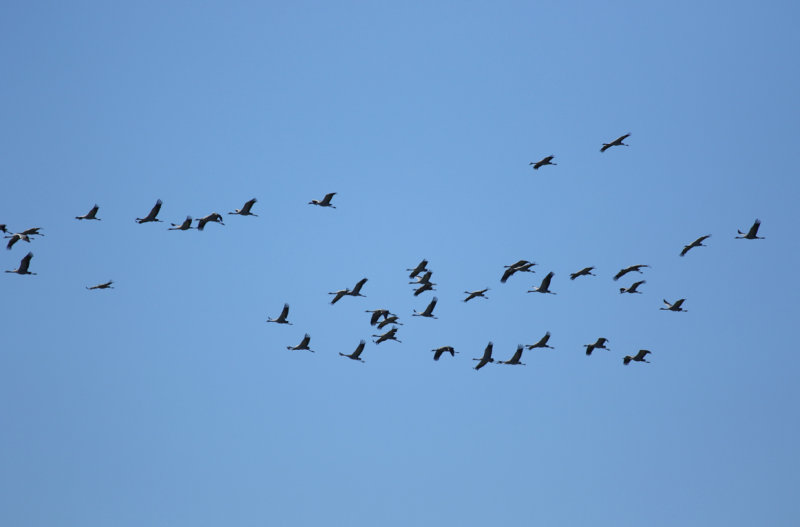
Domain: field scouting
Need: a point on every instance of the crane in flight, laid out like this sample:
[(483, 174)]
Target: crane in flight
[(23, 265), (486, 358), (215, 217), (544, 161), (675, 306), (91, 215), (515, 359), (152, 215), (586, 271), (185, 226), (616, 142), (245, 210), (104, 285), (422, 266), (475, 294), (542, 342), (545, 285), (356, 355), (633, 268), (283, 317), (389, 335), (752, 234), (428, 313), (438, 352), (303, 344), (633, 288), (639, 357), (324, 202), (697, 243), (599, 344)]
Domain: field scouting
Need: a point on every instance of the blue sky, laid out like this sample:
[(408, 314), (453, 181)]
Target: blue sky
[(170, 401)]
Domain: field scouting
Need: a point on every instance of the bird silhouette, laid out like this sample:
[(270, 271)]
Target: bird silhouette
[(475, 294), (185, 226), (428, 313), (633, 288), (545, 161), (616, 142), (152, 215), (674, 307), (639, 357), (389, 335), (303, 344), (324, 202), (245, 210), (514, 360), (542, 342), (600, 344), (438, 352), (23, 265), (697, 243), (91, 215), (356, 355), (586, 271), (545, 285), (214, 217), (626, 270), (486, 358), (752, 234), (282, 318), (104, 285)]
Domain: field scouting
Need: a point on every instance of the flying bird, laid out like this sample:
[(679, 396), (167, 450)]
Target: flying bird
[(515, 359), (752, 234), (338, 295), (438, 352), (545, 286), (356, 291), (23, 265), (356, 355), (428, 310), (389, 335), (152, 215), (245, 210), (674, 307), (632, 288), (14, 238), (377, 314), (33, 231), (213, 217), (697, 243), (185, 226), (391, 319), (542, 342), (616, 142), (324, 202), (423, 279), (282, 318), (427, 286), (3, 228), (91, 215), (623, 272), (638, 358), (600, 344), (105, 285), (586, 271), (475, 294), (303, 344), (418, 269), (486, 358), (520, 266), (545, 161)]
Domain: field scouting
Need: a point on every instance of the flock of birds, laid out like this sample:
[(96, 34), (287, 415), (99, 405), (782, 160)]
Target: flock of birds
[(420, 275)]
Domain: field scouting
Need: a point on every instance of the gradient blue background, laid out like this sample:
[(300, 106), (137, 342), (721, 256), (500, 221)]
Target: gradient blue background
[(169, 401)]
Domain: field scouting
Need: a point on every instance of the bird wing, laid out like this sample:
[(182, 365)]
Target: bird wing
[(622, 138), (25, 263), (641, 355), (357, 289), (429, 309), (247, 206), (546, 281), (678, 303), (327, 199), (487, 353), (284, 312), (508, 272), (154, 211), (359, 349), (621, 273), (305, 341), (517, 355), (754, 229)]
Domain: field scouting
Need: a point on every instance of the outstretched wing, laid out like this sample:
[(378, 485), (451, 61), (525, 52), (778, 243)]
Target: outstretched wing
[(357, 353), (248, 205), (754, 229), (25, 263), (357, 289)]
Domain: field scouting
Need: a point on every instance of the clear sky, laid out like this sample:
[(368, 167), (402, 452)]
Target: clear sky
[(169, 401)]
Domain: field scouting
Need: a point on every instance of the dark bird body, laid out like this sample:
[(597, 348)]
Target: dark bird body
[(23, 265), (475, 294), (283, 317), (632, 268), (616, 142), (389, 335), (486, 358), (303, 344), (438, 352), (697, 243), (600, 344), (324, 202), (586, 271), (639, 357), (185, 226), (545, 161), (418, 269), (214, 217), (356, 355), (106, 285), (542, 342), (545, 285), (752, 234), (428, 313), (245, 210), (633, 288), (152, 215), (14, 238), (674, 307), (515, 359), (91, 215)]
